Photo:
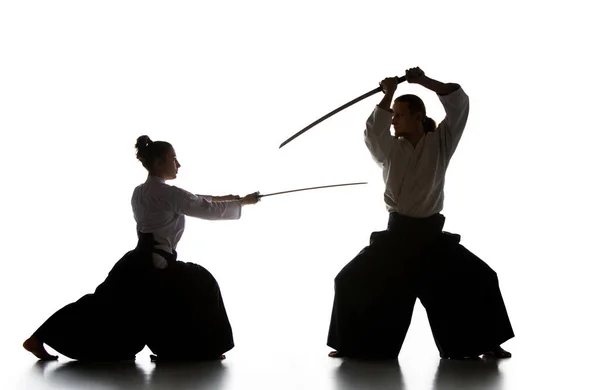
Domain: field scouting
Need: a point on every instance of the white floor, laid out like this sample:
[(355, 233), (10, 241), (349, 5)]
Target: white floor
[(286, 372), (542, 360)]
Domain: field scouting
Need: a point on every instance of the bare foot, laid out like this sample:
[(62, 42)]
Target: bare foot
[(335, 354), (497, 353), (36, 347)]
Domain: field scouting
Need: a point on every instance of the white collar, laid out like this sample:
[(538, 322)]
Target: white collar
[(155, 178)]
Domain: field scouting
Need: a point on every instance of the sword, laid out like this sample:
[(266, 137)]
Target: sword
[(309, 188), (358, 99)]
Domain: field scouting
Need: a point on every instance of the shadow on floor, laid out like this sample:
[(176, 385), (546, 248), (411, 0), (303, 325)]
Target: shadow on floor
[(349, 375), (179, 376), (129, 375), (78, 375), (450, 375), (353, 374), (467, 375)]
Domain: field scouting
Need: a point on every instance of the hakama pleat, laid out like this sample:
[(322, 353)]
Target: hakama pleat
[(375, 293), (189, 317), (106, 324), (462, 297), (177, 311)]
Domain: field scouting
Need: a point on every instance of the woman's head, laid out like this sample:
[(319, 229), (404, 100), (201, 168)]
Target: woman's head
[(410, 116), (158, 157)]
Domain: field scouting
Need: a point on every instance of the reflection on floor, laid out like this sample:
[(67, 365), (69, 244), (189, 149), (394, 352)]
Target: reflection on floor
[(343, 375)]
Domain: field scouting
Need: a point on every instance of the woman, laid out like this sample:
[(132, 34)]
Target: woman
[(375, 293), (149, 297)]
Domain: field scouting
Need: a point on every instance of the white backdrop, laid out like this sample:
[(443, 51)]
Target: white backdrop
[(227, 82)]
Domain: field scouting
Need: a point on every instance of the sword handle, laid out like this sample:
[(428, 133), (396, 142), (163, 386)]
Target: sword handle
[(398, 80)]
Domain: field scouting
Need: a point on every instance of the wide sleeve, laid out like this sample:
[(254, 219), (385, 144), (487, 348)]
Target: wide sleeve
[(207, 197), (186, 203), (456, 106), (377, 134)]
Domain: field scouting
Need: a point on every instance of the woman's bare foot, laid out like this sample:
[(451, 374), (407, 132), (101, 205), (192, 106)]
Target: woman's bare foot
[(497, 353), (36, 347), (335, 354)]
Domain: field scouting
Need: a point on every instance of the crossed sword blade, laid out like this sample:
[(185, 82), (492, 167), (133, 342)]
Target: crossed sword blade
[(309, 188)]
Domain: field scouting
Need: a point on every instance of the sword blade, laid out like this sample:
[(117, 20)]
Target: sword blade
[(310, 188), (354, 101)]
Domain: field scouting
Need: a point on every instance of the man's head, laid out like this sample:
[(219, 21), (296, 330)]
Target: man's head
[(410, 116)]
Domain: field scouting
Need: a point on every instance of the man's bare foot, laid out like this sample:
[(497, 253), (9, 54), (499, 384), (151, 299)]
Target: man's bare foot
[(36, 347), (335, 354), (497, 353)]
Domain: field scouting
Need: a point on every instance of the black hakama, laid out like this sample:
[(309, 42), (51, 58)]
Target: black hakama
[(462, 297), (375, 294), (177, 311), (189, 319), (106, 324)]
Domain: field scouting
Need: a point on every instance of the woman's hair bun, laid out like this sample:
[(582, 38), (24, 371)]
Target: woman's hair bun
[(141, 144)]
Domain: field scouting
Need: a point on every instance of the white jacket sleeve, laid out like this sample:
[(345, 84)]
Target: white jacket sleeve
[(207, 197), (456, 105), (377, 134), (186, 203)]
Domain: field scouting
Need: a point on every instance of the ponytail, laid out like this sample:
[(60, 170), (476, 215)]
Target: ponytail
[(429, 124)]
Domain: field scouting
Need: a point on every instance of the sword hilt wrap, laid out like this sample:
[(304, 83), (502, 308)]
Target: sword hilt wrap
[(398, 80)]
